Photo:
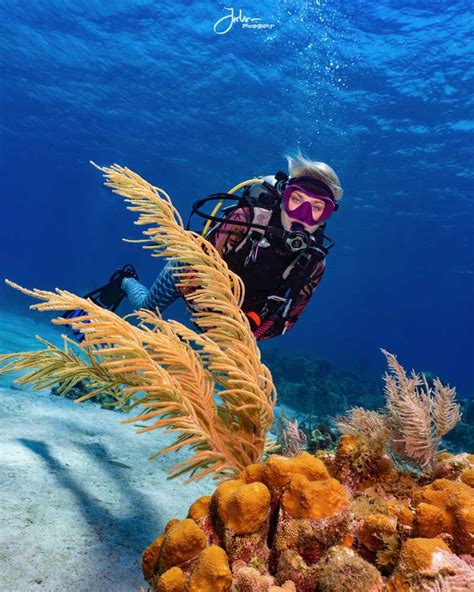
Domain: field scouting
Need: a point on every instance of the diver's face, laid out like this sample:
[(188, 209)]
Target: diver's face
[(295, 200)]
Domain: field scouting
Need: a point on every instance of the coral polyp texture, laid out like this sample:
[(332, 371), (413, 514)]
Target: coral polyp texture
[(299, 524)]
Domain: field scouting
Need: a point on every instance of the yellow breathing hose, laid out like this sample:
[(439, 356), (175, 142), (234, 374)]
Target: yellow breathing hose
[(255, 181)]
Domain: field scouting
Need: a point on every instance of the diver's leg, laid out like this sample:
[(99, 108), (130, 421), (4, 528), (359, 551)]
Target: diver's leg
[(161, 295)]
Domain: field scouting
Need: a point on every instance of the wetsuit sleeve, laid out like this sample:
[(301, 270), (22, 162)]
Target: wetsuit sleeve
[(274, 326), (227, 235), (224, 237)]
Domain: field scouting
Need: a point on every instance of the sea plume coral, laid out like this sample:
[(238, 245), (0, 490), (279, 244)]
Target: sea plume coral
[(414, 420), (417, 417), (294, 439), (359, 421), (210, 389)]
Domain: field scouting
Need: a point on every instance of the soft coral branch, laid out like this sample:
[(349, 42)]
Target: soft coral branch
[(416, 416), (211, 389)]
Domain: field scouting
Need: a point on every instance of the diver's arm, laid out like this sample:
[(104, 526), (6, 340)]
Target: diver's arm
[(305, 294), (272, 327), (226, 235)]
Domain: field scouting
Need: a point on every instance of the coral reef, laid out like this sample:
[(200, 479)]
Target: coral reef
[(293, 437), (324, 392), (384, 511), (446, 507), (296, 523)]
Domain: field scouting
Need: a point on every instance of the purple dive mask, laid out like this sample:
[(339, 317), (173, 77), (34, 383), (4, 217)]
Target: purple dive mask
[(304, 213)]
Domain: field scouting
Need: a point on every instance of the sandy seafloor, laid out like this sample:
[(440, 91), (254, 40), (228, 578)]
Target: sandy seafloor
[(79, 498)]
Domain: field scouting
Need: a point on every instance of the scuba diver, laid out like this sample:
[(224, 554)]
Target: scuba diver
[(273, 238)]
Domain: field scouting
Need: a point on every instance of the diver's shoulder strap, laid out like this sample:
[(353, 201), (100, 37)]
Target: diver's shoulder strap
[(260, 216)]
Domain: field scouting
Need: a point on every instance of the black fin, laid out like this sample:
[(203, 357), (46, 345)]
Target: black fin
[(108, 296)]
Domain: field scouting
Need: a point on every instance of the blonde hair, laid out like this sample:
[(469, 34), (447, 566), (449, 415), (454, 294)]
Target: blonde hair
[(299, 165)]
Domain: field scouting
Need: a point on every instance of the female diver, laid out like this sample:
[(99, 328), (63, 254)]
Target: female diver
[(273, 239)]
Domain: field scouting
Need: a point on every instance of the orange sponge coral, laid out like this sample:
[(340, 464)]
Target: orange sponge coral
[(464, 529), (151, 554), (286, 525), (314, 499), (428, 564), (447, 506), (182, 542), (200, 508), (211, 572), (252, 473), (417, 554), (242, 507), (172, 580), (467, 477), (375, 531), (279, 470), (313, 515), (430, 521), (151, 557)]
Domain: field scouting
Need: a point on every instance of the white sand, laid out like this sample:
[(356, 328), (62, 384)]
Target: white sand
[(71, 518)]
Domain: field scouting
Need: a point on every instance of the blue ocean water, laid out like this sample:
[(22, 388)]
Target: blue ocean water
[(382, 91)]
